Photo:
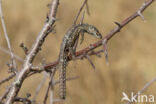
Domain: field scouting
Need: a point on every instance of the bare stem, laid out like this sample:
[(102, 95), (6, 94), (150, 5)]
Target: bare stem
[(7, 52), (7, 79), (7, 39), (78, 14), (40, 86), (47, 28)]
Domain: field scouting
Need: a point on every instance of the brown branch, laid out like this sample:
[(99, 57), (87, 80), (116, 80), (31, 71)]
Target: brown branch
[(107, 37), (78, 14), (47, 28)]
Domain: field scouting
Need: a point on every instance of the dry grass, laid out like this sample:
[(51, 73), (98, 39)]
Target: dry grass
[(131, 53)]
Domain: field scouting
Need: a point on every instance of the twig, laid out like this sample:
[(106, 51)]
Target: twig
[(47, 28), (144, 88), (39, 87), (48, 88), (105, 50), (90, 61), (7, 52), (75, 20), (7, 79), (87, 7), (7, 39), (51, 100), (82, 18), (4, 95)]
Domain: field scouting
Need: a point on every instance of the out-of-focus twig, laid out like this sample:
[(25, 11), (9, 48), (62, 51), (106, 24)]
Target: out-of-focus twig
[(14, 66), (40, 86), (7, 52), (144, 88)]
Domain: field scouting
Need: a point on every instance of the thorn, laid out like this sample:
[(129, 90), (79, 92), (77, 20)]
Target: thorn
[(99, 55), (47, 18), (52, 30), (118, 24), (90, 61), (140, 14), (52, 18), (105, 51), (24, 48)]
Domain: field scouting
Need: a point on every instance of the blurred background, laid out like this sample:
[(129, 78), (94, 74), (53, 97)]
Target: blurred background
[(132, 52)]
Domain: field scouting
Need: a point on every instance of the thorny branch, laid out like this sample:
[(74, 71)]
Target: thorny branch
[(113, 32), (48, 27)]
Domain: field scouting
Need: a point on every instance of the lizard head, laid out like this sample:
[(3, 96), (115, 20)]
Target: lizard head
[(94, 31)]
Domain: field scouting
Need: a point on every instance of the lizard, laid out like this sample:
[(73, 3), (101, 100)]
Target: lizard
[(67, 48)]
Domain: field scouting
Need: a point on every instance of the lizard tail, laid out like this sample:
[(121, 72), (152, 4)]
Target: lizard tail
[(62, 85)]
